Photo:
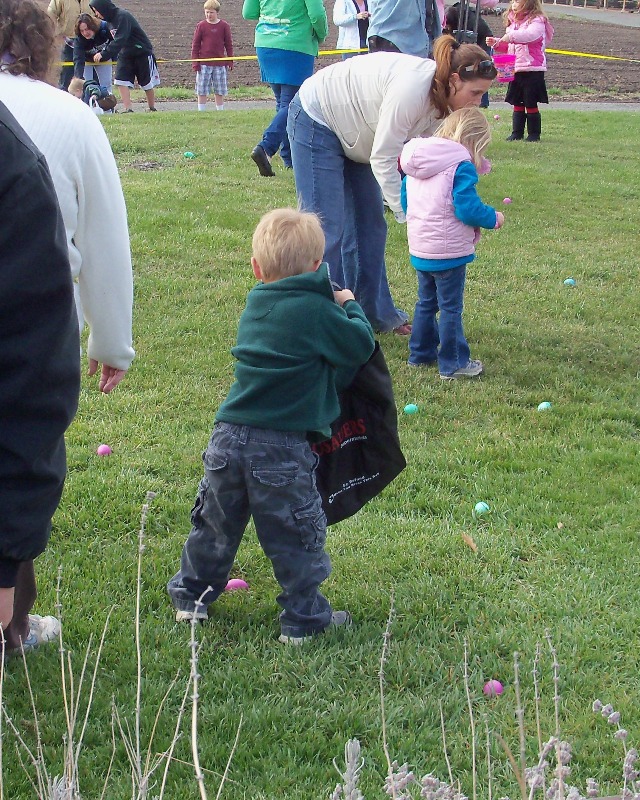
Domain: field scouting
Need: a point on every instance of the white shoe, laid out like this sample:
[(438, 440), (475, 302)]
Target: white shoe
[(187, 616), (41, 631), (338, 619)]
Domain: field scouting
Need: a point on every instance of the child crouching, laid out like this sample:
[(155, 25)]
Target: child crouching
[(444, 215), (295, 338)]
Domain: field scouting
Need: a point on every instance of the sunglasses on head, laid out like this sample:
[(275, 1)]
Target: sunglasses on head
[(483, 69)]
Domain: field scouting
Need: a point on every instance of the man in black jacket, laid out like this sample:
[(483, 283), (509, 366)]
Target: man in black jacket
[(39, 376), (133, 49)]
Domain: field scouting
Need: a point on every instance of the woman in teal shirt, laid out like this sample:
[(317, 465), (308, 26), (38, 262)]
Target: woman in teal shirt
[(287, 37)]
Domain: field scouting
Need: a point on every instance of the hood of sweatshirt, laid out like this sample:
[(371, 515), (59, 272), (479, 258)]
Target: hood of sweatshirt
[(424, 158), (105, 8)]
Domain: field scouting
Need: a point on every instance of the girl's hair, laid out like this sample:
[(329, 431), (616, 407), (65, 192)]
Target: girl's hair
[(212, 5), (450, 57), (527, 9), (470, 128), (287, 242), (89, 20), (26, 39)]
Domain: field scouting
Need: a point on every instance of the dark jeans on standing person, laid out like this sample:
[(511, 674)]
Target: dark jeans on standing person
[(66, 73), (441, 340), (348, 200), (270, 476), (275, 136)]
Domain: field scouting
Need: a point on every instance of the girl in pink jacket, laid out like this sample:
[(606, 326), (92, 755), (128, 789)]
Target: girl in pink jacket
[(528, 33), (444, 217)]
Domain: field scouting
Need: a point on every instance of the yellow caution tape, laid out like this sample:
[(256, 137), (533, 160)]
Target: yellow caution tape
[(592, 55), (341, 52)]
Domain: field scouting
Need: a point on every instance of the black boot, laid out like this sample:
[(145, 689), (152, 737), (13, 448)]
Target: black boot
[(534, 126), (518, 126)]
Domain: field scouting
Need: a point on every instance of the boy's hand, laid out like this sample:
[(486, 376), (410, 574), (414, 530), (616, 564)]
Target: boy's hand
[(342, 296), (196, 66), (499, 219)]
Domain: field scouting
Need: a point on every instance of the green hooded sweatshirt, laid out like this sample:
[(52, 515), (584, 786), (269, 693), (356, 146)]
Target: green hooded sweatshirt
[(295, 343)]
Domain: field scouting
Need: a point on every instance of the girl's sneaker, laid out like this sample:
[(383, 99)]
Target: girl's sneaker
[(472, 370)]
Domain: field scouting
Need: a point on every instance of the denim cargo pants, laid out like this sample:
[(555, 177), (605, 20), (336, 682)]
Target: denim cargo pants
[(268, 475)]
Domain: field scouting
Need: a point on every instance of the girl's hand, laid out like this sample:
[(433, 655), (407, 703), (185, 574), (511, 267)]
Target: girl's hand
[(492, 40), (499, 220)]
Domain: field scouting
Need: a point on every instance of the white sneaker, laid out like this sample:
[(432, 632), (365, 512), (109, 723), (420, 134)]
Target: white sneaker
[(187, 616), (338, 619), (41, 631), (472, 370)]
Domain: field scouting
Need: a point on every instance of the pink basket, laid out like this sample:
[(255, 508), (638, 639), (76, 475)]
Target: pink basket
[(505, 65)]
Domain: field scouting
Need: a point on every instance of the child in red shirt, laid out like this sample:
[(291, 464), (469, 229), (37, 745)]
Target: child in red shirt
[(211, 39)]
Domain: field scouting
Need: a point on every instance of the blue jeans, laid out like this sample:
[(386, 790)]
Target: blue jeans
[(275, 136), (269, 475), (444, 339), (348, 200)]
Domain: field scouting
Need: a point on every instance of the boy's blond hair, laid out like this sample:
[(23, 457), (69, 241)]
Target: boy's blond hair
[(470, 128), (76, 87), (287, 242), (212, 5)]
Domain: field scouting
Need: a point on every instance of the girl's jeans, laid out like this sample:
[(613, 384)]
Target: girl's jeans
[(348, 200), (444, 339), (269, 475)]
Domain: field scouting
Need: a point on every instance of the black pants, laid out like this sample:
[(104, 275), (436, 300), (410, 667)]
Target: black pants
[(66, 73), (378, 44)]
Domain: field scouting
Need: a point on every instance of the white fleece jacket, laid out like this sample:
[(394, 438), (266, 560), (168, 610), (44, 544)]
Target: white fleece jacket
[(374, 104), (86, 179)]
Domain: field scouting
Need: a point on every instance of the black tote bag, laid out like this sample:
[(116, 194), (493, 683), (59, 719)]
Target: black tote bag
[(363, 454)]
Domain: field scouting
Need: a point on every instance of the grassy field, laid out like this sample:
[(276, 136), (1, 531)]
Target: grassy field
[(558, 551)]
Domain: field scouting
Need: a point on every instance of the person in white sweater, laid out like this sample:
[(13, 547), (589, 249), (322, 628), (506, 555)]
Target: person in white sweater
[(86, 181), (347, 126)]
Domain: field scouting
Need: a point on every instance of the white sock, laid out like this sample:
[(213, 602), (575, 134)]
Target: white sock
[(202, 106), (219, 108)]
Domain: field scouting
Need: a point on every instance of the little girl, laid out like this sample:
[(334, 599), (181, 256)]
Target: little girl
[(528, 33), (444, 214)]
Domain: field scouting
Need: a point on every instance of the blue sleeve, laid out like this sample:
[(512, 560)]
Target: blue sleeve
[(403, 194), (467, 204)]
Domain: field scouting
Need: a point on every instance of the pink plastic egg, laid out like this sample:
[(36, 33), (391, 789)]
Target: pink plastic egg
[(507, 201), (104, 450), (496, 116), (236, 583), (493, 688)]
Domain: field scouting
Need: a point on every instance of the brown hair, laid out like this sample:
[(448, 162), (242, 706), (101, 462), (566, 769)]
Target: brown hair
[(26, 39), (287, 242), (450, 57), (470, 128), (89, 20)]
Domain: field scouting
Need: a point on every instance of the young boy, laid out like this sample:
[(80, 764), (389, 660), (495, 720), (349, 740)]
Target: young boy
[(85, 90), (297, 339), (211, 39)]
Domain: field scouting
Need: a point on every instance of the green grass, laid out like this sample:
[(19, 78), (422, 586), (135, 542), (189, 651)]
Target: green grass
[(260, 92), (558, 551)]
